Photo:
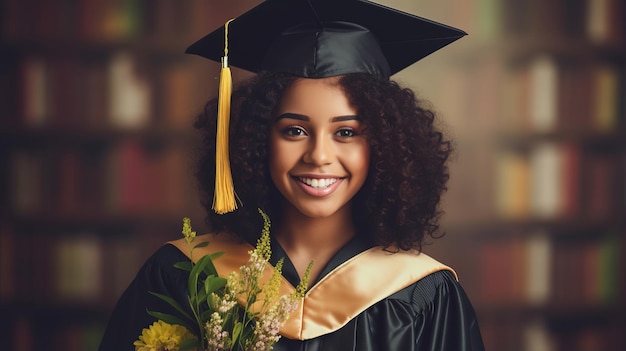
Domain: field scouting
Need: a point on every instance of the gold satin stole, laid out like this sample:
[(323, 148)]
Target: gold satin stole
[(338, 297)]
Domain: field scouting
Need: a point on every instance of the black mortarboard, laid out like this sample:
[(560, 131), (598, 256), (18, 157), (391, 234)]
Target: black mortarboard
[(323, 38), (312, 39)]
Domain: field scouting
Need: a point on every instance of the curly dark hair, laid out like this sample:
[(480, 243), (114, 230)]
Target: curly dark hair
[(399, 202)]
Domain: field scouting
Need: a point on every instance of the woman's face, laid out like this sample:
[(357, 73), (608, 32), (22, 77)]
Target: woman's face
[(319, 157)]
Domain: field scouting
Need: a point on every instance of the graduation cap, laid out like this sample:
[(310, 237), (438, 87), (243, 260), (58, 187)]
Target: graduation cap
[(323, 38), (313, 39)]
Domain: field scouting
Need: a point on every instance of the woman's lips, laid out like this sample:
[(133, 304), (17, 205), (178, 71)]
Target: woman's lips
[(318, 186)]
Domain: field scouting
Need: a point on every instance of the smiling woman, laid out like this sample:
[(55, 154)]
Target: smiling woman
[(347, 164)]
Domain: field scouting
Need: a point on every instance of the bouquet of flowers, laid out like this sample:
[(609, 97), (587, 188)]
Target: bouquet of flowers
[(224, 324)]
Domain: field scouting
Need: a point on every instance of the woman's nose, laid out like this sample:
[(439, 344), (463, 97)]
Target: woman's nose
[(319, 152)]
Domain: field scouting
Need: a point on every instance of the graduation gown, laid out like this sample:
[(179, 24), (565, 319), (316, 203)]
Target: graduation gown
[(405, 312)]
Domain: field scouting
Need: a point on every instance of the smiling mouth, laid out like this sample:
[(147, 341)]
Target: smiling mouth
[(318, 183)]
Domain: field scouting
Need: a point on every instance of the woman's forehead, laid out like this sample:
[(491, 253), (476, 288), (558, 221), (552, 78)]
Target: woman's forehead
[(316, 96)]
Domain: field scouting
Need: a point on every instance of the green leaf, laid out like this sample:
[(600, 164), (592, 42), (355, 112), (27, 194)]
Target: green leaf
[(209, 302), (172, 303), (168, 318), (193, 302), (209, 268), (213, 284), (203, 244), (186, 266), (216, 254), (201, 265), (189, 344), (237, 331), (202, 296), (194, 275)]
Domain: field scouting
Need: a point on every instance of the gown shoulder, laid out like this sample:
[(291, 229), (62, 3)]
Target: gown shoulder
[(129, 316)]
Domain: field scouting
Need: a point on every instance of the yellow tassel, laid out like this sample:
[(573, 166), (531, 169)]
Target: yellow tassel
[(224, 199)]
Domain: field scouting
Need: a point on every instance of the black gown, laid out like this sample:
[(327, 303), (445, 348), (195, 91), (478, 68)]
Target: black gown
[(433, 314)]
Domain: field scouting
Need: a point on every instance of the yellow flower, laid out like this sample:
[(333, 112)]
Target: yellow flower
[(187, 232), (162, 336), (263, 248), (272, 288), (304, 282)]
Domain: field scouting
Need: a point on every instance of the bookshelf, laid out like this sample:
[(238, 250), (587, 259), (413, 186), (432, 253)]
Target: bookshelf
[(96, 144), (96, 151), (534, 98)]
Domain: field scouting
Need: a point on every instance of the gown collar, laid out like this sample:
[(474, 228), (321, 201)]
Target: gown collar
[(353, 247)]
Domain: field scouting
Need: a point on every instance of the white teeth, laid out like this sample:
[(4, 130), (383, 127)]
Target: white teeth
[(318, 183)]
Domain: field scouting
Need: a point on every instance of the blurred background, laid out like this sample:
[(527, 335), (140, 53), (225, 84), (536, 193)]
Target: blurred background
[(97, 103)]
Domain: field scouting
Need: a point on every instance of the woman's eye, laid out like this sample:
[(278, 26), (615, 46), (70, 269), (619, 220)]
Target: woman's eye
[(345, 133), (293, 131)]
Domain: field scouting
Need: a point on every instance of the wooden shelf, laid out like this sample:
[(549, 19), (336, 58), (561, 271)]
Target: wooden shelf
[(554, 314), (50, 136), (60, 312), (520, 48), (82, 48), (102, 221), (564, 227)]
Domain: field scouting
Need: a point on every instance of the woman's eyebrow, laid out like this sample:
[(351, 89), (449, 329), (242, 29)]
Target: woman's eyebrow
[(305, 118), (293, 116), (345, 118)]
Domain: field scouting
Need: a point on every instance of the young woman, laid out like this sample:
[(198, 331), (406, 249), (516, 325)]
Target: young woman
[(350, 168)]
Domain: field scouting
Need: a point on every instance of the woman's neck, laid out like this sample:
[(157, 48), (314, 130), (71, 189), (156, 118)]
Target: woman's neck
[(307, 239)]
